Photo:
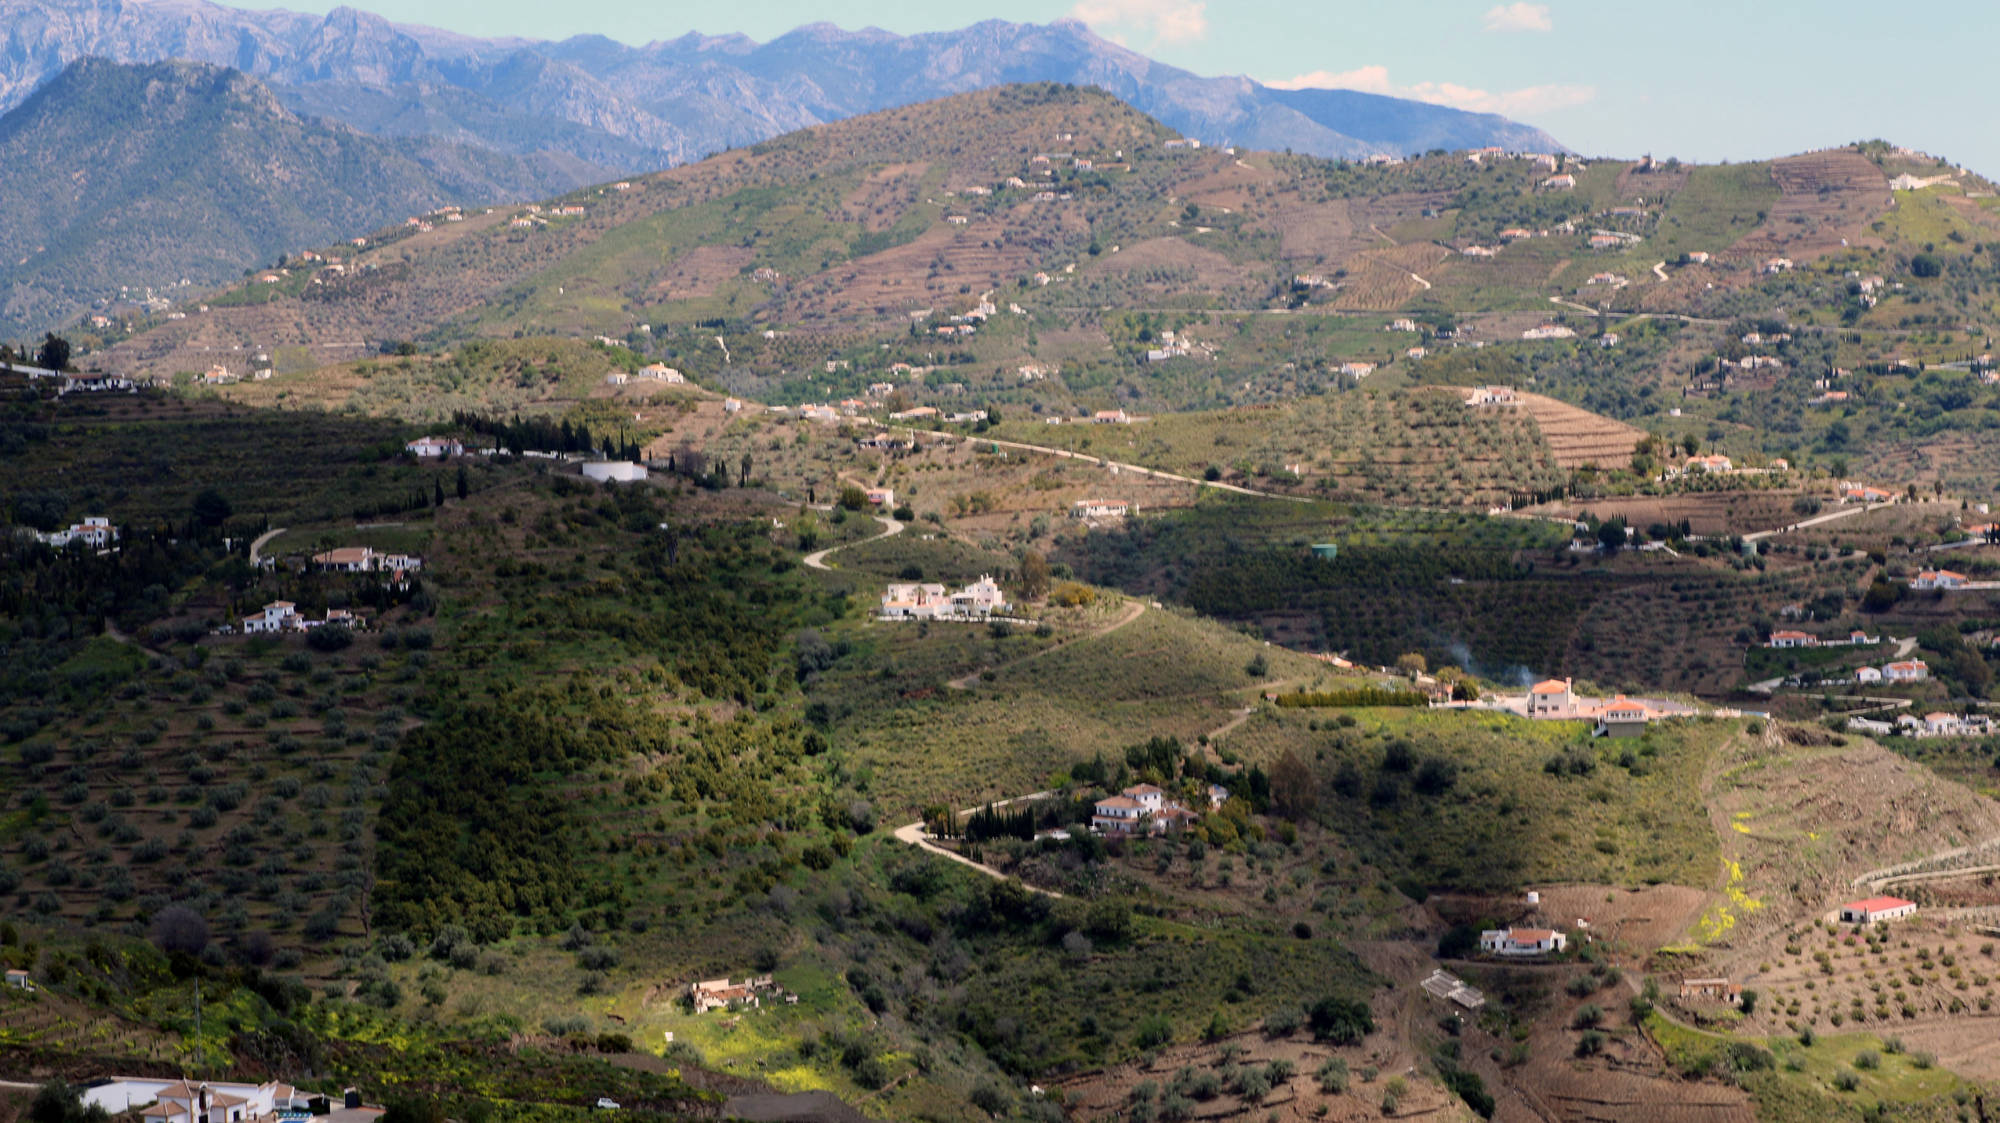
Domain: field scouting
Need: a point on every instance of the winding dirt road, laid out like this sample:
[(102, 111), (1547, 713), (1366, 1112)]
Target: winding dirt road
[(890, 527)]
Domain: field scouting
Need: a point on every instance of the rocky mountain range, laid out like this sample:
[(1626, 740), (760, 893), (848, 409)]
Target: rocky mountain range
[(125, 178), (627, 109)]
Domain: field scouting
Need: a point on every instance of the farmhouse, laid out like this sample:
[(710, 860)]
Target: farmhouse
[(1110, 417), (719, 994), (1860, 493), (1867, 674), (1553, 698), (19, 980), (1875, 910), (1560, 182), (914, 601), (1521, 941), (1713, 464), (881, 496), (94, 531), (180, 1101), (659, 372), (1911, 670), (434, 447), (1142, 809), (364, 559), (1493, 396), (1711, 990), (1792, 639), (1099, 509), (1357, 369), (1938, 579)]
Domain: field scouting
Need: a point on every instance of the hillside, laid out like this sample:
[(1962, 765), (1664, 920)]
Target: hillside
[(176, 177), (630, 109)]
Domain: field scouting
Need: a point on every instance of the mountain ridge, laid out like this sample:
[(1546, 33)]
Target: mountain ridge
[(196, 172), (676, 100)]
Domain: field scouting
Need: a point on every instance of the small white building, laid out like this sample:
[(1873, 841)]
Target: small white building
[(1522, 941), (94, 531), (1867, 674), (1938, 579), (434, 447), (1875, 910), (613, 471), (1099, 509)]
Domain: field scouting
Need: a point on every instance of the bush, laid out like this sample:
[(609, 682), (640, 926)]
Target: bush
[(1153, 1032), (1342, 1021), (1284, 1021), (1587, 1016), (1332, 1076), (1867, 1060), (1590, 1044), (329, 637)]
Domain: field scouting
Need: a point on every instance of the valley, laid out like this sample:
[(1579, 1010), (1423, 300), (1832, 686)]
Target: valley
[(1270, 603)]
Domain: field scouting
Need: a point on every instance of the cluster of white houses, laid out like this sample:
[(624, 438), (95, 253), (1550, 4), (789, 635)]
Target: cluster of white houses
[(1789, 637), (218, 1101), (1146, 809), (94, 531), (918, 601), (284, 616)]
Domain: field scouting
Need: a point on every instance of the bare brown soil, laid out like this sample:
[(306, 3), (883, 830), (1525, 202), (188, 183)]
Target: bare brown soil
[(1579, 436)]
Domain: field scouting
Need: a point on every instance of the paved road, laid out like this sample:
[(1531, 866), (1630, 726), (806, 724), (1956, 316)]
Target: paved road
[(913, 835), (817, 559), (258, 543)]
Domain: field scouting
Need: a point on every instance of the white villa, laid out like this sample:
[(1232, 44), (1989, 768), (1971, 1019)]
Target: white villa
[(1522, 941), (1552, 698), (364, 559), (1145, 808), (1911, 670), (94, 531), (919, 601), (180, 1101), (284, 616), (659, 372), (1548, 331)]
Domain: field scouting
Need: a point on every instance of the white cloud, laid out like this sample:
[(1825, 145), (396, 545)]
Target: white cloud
[(1523, 102), (1519, 16), (1162, 21)]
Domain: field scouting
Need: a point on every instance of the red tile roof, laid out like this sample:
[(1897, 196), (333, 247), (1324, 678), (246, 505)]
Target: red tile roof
[(1877, 904)]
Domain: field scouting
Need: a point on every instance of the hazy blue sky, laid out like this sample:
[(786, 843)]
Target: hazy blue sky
[(1699, 79)]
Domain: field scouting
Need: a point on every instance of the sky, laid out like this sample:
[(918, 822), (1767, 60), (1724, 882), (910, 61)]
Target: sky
[(1704, 80)]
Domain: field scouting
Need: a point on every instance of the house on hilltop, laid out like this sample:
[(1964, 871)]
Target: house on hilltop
[(1788, 638), (434, 447), (1522, 941), (184, 1101), (1909, 670), (1143, 809)]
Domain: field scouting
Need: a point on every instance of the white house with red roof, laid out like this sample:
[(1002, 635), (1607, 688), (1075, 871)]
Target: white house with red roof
[(1145, 809), (1938, 579), (184, 1101), (1875, 910), (277, 616), (1790, 638), (1522, 941), (1908, 670), (1552, 698), (1623, 717)]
